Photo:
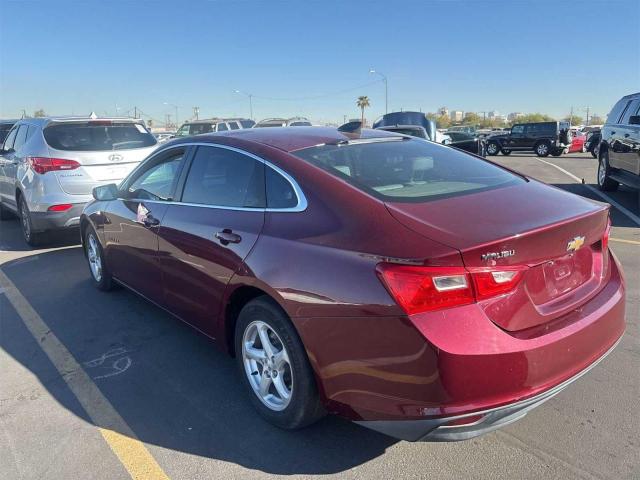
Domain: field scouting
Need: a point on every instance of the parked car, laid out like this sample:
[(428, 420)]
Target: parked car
[(49, 166), (577, 143), (402, 120), (467, 142), (198, 127), (283, 122), (543, 138), (619, 155), (411, 130), (367, 274), (592, 143), (5, 126), (470, 129), (164, 136)]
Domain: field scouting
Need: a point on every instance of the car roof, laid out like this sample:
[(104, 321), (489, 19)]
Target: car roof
[(43, 121), (290, 139)]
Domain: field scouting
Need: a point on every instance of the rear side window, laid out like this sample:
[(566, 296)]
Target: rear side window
[(222, 127), (408, 170), (98, 136), (200, 128), (280, 193), (21, 137), (234, 125), (224, 178), (247, 123), (8, 142), (631, 109), (4, 130)]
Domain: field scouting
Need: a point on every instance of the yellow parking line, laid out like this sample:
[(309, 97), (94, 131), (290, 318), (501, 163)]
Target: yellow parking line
[(131, 452), (622, 240)]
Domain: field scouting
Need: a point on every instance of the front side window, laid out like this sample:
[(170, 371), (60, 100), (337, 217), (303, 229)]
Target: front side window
[(183, 131), (200, 128), (222, 127), (518, 129), (408, 170), (159, 180), (224, 178)]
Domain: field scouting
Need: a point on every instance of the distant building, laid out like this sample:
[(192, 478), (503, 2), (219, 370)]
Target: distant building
[(457, 115), (443, 111), (494, 115), (514, 115)]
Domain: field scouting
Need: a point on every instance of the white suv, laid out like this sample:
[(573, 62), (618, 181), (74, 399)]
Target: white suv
[(49, 166)]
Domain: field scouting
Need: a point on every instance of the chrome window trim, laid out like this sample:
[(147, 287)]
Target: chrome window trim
[(300, 206)]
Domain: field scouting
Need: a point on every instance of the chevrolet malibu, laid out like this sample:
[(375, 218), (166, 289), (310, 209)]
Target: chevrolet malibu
[(415, 289)]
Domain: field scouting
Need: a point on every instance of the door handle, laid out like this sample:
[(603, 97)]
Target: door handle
[(226, 237), (150, 221)]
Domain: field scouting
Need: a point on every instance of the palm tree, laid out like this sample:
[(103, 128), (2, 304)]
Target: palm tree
[(363, 102)]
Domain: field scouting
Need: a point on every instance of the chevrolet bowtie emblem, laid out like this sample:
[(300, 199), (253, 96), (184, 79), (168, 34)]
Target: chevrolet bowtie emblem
[(574, 244)]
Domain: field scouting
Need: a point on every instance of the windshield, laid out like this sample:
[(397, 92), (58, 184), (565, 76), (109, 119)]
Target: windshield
[(98, 136), (408, 170)]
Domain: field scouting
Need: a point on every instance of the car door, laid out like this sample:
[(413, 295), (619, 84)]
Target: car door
[(205, 237), (131, 224), (628, 141), (615, 137), (7, 182), (515, 138)]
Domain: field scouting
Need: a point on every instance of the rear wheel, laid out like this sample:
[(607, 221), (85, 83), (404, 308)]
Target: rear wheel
[(32, 238), (493, 148), (542, 149), (605, 183), (274, 366)]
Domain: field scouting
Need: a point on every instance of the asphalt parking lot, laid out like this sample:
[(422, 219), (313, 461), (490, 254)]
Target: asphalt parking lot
[(169, 387)]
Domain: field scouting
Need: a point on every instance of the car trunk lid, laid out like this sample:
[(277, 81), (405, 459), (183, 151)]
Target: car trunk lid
[(556, 237)]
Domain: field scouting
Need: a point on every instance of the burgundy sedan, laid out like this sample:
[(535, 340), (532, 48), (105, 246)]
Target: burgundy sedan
[(413, 288)]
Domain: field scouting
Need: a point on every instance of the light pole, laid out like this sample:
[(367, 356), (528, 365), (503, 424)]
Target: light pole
[(250, 95), (386, 89), (176, 107)]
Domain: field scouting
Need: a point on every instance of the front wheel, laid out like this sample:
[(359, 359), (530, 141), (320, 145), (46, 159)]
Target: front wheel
[(100, 274), (543, 149), (274, 366), (493, 148), (605, 182)]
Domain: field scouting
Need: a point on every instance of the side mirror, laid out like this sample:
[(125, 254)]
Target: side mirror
[(106, 192), (634, 120)]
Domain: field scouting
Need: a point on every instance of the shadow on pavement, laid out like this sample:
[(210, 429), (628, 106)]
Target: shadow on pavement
[(172, 386), (11, 239)]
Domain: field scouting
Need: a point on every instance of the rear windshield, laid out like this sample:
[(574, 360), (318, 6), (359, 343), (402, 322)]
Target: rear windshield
[(98, 136), (408, 170)]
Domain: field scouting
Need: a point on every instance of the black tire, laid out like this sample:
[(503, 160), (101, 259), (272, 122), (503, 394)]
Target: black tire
[(32, 238), (506, 152), (557, 152), (605, 183), (103, 281), (304, 407), (6, 214), (493, 148), (542, 148)]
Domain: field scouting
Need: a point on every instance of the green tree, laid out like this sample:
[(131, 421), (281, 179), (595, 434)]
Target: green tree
[(574, 119), (471, 118), (532, 118), (39, 113), (363, 102)]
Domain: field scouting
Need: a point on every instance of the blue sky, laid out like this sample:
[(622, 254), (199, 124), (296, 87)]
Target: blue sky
[(312, 58)]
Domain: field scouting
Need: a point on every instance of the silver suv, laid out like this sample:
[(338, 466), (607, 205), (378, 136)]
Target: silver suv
[(49, 166)]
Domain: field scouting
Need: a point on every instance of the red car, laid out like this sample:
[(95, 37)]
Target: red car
[(578, 143), (416, 289)]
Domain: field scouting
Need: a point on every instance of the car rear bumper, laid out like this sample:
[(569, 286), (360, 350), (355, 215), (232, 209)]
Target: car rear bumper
[(44, 221), (442, 430)]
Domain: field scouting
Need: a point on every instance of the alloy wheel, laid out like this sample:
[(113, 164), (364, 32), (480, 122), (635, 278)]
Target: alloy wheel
[(492, 149), (267, 365), (542, 149), (93, 255), (602, 171)]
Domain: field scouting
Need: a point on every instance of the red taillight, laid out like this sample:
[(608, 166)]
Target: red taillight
[(489, 283), (43, 165), (423, 289), (63, 207)]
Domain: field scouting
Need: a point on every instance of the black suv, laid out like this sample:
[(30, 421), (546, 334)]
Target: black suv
[(619, 156), (543, 138)]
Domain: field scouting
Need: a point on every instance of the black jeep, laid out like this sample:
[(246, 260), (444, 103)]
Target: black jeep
[(543, 138)]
